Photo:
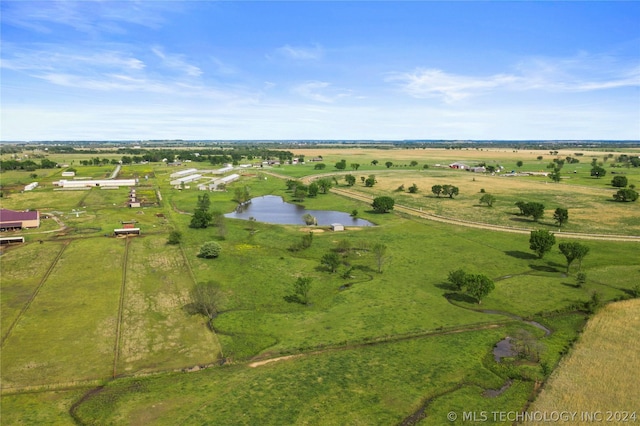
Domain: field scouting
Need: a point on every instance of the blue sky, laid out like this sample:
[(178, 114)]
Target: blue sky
[(114, 70)]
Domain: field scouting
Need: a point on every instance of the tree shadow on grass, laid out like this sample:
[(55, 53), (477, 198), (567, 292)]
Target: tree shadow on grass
[(461, 297), (293, 298), (446, 286), (521, 254), (545, 268), (572, 285)]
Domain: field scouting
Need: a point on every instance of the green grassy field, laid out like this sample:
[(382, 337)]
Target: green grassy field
[(370, 347)]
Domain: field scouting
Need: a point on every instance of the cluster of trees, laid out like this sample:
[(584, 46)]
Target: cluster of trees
[(331, 262), (536, 210), (27, 165), (413, 189), (477, 286), (301, 191), (626, 194), (448, 190), (542, 241)]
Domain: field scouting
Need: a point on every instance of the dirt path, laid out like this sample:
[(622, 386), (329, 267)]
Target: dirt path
[(451, 221), (416, 212)]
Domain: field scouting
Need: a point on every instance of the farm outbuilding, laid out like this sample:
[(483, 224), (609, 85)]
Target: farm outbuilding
[(11, 240), (11, 220), (183, 173), (185, 179), (337, 227), (126, 231), (31, 186), (111, 183)]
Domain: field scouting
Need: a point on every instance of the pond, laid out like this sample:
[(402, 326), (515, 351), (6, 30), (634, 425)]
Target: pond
[(273, 209)]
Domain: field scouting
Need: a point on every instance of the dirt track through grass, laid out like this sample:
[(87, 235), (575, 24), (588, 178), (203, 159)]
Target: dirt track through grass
[(116, 346), (416, 212)]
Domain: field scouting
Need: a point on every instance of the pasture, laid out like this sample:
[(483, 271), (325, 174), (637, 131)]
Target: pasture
[(601, 373), (83, 308)]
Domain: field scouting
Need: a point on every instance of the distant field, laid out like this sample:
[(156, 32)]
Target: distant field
[(601, 372)]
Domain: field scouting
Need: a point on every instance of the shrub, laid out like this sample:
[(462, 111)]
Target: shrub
[(210, 250)]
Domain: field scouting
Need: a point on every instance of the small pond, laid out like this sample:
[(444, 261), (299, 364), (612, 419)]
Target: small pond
[(273, 209)]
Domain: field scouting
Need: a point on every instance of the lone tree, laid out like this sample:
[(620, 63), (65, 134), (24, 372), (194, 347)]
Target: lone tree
[(388, 164), (457, 279), (350, 179), (201, 216), (331, 261), (383, 204), (561, 216), (341, 165), (541, 242), (370, 181), (450, 190), (478, 286), (488, 199), (619, 181), (301, 289), (210, 250), (437, 190), (309, 219), (573, 251), (413, 189), (598, 171), (205, 300), (379, 252)]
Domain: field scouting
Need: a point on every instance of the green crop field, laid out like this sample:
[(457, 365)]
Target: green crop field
[(98, 329)]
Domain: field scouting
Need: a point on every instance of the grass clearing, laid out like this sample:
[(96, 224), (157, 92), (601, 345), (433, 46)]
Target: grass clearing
[(68, 332), (157, 332)]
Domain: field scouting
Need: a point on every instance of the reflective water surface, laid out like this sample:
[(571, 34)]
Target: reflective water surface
[(273, 209)]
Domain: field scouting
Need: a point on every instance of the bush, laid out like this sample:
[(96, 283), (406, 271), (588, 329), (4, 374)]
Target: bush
[(210, 250), (174, 237), (624, 195), (619, 181)]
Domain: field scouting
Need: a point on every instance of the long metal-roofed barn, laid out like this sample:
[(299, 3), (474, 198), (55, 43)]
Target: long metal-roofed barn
[(185, 179), (88, 183)]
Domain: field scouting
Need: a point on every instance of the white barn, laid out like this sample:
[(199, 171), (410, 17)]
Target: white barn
[(91, 183)]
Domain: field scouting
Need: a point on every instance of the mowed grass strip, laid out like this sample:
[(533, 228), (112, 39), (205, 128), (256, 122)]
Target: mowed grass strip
[(23, 267), (68, 332), (157, 331), (379, 384), (601, 372)]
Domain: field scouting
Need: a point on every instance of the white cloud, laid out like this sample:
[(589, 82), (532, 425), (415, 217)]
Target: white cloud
[(582, 73), (176, 62), (301, 53), (428, 83), (319, 91)]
